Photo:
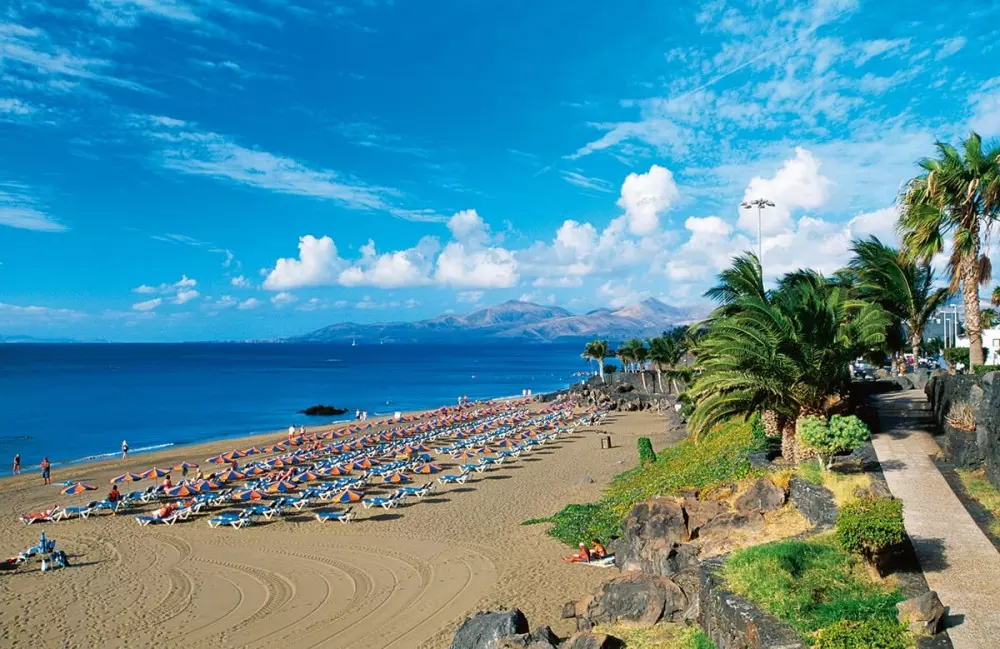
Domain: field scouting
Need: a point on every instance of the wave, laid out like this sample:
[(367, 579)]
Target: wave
[(107, 456)]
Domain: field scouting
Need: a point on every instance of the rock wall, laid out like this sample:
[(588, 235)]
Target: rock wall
[(733, 622), (969, 448)]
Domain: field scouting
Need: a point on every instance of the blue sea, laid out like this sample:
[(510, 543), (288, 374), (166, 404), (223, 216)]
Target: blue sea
[(77, 402)]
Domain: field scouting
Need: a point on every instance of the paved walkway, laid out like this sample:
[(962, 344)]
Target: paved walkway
[(958, 560)]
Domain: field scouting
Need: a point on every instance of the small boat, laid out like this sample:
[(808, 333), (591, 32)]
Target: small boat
[(354, 342)]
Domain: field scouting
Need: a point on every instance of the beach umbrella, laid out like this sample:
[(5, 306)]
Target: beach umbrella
[(200, 486), (181, 490), (218, 459), (254, 470), (306, 476), (282, 486), (506, 443), (465, 455), (348, 496), (330, 471), (396, 478), (275, 463), (273, 448), (252, 451), (207, 485), (77, 488), (249, 494), (485, 450), (231, 474), (185, 465), (427, 469), (126, 477), (154, 473)]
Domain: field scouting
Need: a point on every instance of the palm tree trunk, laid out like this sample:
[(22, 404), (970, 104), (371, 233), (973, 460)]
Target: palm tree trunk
[(659, 377), (970, 296), (600, 369), (772, 425), (915, 338), (789, 445), (642, 376)]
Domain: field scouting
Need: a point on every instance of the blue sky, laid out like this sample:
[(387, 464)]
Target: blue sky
[(218, 169)]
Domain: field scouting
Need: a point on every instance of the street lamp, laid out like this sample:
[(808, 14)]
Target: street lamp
[(760, 204)]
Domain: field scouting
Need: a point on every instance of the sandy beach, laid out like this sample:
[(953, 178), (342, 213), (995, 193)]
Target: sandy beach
[(401, 578)]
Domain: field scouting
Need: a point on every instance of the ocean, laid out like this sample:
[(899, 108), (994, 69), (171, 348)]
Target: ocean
[(77, 402)]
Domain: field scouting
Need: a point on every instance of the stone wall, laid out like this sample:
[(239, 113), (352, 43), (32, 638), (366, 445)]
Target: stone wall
[(734, 622), (969, 448)]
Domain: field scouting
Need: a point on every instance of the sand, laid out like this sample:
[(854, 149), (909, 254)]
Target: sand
[(402, 578)]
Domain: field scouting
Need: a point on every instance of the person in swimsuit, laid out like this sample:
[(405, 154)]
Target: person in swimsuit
[(46, 471), (583, 556), (124, 450), (17, 464)]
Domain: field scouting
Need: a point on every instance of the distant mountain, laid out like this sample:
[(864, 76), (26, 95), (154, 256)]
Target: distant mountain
[(31, 339), (513, 320)]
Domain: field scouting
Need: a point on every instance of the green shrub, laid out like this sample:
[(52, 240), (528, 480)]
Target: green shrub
[(811, 584), (869, 634), (610, 369), (646, 453), (870, 525), (576, 524), (956, 355), (839, 435), (985, 369)]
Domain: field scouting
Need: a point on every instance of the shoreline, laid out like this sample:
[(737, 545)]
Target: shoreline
[(245, 439)]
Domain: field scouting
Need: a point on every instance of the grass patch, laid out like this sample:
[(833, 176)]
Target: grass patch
[(983, 492), (814, 584), (720, 456), (661, 636), (845, 486)]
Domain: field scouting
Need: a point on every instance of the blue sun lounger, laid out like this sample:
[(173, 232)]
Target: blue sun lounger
[(453, 478), (343, 516)]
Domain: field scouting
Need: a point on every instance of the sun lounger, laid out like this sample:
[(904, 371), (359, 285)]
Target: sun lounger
[(384, 503), (343, 516), (40, 517), (164, 520), (454, 479)]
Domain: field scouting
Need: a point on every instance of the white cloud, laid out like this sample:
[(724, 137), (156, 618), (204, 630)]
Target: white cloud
[(19, 208), (465, 266), (10, 313), (250, 303), (986, 109), (240, 282), (797, 185), (144, 289), (469, 297), (147, 305), (644, 197), (184, 282), (185, 295), (394, 269), (468, 226), (283, 299), (318, 264), (223, 303), (948, 47), (316, 304), (585, 182), (881, 223)]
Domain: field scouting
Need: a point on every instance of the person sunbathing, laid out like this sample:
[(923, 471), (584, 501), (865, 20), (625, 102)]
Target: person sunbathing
[(583, 556), (598, 552), (166, 510)]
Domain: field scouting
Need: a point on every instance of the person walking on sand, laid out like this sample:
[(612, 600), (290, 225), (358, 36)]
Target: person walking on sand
[(46, 471), (124, 450), (17, 464)]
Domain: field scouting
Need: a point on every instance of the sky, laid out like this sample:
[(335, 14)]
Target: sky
[(226, 169)]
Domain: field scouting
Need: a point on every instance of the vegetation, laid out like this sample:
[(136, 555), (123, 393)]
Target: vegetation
[(959, 195), (868, 634), (785, 351), (844, 486), (956, 355), (985, 369), (902, 287), (608, 369), (988, 318), (814, 585), (720, 456), (597, 350), (828, 438), (646, 453), (980, 489), (661, 636), (666, 352), (962, 415), (931, 348), (869, 526)]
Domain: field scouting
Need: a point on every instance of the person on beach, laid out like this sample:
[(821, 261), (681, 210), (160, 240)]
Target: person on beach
[(46, 471), (167, 484), (17, 464), (124, 450), (291, 433), (114, 497), (599, 552), (583, 556), (167, 510)]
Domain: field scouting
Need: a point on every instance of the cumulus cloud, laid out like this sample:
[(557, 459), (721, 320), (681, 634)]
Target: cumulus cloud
[(240, 282), (250, 303), (398, 269), (283, 299), (644, 197), (147, 305), (318, 264), (465, 266), (797, 185), (185, 295), (469, 297)]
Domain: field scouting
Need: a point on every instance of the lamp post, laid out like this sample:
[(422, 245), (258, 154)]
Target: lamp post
[(760, 204)]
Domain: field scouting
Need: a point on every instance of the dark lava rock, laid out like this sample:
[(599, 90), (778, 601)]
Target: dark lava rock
[(697, 513), (922, 614), (485, 630), (588, 640), (764, 496), (315, 411), (814, 502)]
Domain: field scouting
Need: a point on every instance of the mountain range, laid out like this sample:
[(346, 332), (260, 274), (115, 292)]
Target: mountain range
[(514, 320)]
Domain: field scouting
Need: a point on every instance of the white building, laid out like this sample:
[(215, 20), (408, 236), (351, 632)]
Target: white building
[(991, 341)]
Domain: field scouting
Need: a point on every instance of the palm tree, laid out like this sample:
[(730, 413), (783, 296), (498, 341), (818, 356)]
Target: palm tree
[(639, 354), (901, 286), (597, 350), (744, 279), (785, 352), (958, 195), (988, 318), (995, 296), (665, 352)]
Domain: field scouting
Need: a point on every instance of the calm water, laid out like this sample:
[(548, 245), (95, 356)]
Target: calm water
[(80, 401)]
